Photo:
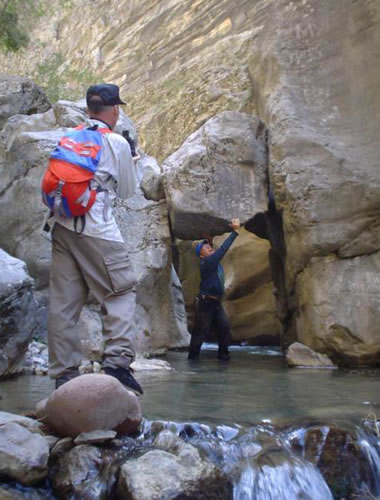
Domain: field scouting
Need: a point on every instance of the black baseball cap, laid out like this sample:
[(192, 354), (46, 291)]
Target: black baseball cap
[(107, 92)]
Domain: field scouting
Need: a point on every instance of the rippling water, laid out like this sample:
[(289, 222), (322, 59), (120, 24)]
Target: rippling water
[(244, 415), (255, 386)]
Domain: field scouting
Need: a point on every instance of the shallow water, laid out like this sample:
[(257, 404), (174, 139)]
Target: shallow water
[(255, 386), (244, 416)]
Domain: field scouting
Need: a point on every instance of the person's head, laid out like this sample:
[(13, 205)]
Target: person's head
[(204, 249), (103, 102)]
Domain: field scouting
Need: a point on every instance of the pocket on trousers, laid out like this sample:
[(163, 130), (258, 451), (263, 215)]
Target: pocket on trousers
[(120, 272)]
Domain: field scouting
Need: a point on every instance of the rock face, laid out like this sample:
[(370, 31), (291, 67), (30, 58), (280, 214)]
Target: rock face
[(92, 402), (160, 313), (218, 173), (323, 168), (17, 313), (340, 299), (20, 96)]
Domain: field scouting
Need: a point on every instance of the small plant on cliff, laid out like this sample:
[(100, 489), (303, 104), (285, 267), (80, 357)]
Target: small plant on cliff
[(13, 22), (61, 82)]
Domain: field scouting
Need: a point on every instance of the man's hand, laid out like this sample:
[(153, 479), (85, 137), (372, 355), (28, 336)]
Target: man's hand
[(235, 224)]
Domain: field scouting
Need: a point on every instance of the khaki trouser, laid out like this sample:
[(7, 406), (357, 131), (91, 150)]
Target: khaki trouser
[(81, 264)]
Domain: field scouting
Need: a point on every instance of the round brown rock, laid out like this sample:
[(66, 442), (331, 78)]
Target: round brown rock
[(92, 402)]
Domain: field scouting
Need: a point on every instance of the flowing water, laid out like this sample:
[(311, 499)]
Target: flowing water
[(267, 426)]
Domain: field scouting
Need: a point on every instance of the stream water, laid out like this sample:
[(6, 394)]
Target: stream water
[(267, 426)]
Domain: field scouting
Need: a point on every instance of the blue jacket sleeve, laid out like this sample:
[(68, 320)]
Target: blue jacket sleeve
[(213, 260)]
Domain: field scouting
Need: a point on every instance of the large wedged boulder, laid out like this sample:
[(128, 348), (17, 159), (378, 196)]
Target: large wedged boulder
[(218, 173), (92, 402), (17, 313)]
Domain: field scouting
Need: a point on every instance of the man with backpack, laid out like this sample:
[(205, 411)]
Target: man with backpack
[(209, 309), (89, 254)]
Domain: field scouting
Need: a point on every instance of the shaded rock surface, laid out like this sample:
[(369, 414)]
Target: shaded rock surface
[(249, 301), (17, 313), (84, 472), (92, 402)]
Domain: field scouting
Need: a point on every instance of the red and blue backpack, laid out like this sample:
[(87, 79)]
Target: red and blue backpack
[(68, 185)]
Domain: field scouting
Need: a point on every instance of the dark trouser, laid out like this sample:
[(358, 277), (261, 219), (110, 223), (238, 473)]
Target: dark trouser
[(209, 312)]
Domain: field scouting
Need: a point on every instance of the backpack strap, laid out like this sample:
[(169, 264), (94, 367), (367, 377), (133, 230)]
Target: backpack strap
[(58, 206), (83, 221)]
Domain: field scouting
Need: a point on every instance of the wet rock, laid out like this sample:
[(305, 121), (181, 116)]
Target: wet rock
[(218, 173), (92, 402), (62, 446), (23, 454), (8, 492), (36, 359), (302, 356), (85, 472), (17, 310), (279, 474), (19, 95), (143, 364), (29, 423), (337, 454), (180, 473), (94, 437)]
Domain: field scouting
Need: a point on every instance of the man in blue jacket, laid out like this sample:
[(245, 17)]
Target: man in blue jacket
[(210, 311)]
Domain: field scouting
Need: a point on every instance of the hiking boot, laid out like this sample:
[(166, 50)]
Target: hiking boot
[(66, 376), (223, 356), (124, 376)]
